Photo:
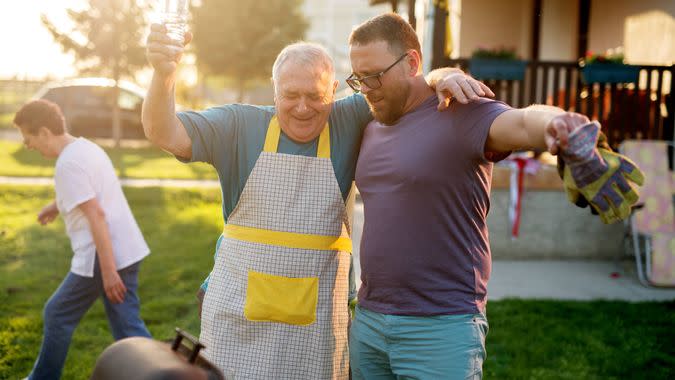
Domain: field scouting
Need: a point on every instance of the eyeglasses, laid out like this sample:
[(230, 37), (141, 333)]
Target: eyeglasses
[(372, 81)]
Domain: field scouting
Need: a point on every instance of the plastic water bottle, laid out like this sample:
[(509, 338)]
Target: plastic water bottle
[(174, 16)]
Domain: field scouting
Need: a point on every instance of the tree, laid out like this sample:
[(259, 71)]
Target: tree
[(106, 39), (241, 39)]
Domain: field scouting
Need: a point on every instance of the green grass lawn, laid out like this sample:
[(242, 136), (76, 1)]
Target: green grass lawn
[(527, 339), (181, 227), (150, 162), (6, 120)]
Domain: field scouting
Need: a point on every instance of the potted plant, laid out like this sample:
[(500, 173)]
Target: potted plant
[(607, 68), (497, 63)]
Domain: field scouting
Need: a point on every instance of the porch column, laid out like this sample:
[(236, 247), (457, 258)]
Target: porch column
[(440, 20), (411, 14), (536, 30), (584, 21)]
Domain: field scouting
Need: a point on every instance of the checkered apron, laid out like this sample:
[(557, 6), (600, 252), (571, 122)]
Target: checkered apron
[(276, 305)]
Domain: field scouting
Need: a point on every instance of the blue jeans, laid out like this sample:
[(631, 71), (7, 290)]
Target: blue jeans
[(70, 302), (386, 346)]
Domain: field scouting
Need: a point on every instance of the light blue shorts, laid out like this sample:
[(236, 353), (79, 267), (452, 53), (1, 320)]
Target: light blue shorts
[(386, 346)]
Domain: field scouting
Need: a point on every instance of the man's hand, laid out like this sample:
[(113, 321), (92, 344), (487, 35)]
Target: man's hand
[(113, 286), (462, 88), (162, 52), (608, 181), (559, 128), (452, 83), (48, 214)]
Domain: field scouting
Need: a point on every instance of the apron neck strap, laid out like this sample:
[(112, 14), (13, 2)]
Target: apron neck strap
[(274, 133)]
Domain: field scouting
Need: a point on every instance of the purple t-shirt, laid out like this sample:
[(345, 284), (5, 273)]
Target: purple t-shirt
[(425, 184)]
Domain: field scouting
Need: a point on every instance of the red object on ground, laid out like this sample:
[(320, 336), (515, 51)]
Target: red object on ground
[(516, 222)]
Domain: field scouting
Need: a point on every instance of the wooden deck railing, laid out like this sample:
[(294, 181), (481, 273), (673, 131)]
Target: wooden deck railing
[(642, 110)]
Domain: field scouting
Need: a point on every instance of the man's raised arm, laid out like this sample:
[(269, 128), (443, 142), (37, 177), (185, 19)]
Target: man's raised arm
[(160, 124)]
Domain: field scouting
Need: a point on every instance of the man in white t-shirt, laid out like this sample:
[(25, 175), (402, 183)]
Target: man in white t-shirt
[(107, 244)]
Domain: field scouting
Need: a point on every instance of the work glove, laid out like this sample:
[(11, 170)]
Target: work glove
[(598, 176), (574, 195)]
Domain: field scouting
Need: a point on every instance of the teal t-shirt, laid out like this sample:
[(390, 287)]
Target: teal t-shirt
[(231, 138)]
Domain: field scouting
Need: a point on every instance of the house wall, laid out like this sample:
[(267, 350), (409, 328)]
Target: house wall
[(491, 23), (559, 30), (646, 29)]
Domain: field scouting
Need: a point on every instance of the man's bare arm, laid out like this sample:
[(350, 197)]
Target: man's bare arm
[(112, 283), (160, 124), (535, 127)]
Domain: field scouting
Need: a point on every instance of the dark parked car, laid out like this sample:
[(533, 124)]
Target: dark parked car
[(87, 106)]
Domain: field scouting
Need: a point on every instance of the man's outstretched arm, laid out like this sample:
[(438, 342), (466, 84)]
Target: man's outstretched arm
[(608, 181), (535, 127)]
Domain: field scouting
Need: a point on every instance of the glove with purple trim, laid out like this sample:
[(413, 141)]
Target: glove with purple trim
[(599, 175), (580, 200)]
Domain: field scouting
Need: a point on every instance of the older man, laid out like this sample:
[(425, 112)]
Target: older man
[(426, 262), (276, 305)]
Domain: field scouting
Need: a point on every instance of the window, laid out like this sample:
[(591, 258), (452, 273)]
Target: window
[(128, 100)]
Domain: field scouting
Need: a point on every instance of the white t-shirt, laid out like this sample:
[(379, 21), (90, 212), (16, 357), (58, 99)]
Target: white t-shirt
[(84, 171)]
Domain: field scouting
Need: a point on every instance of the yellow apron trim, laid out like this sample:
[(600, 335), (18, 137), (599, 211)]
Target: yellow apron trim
[(288, 239), (272, 137), (274, 132), (271, 298), (323, 150)]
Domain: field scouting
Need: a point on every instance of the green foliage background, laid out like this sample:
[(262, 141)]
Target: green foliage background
[(241, 39)]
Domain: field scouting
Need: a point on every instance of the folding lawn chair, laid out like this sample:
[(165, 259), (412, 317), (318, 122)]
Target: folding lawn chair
[(651, 228)]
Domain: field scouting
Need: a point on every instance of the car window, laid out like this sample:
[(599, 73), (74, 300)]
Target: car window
[(128, 100), (56, 95), (92, 96)]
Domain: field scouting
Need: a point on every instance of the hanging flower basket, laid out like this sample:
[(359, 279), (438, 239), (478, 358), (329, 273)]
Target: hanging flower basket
[(610, 73), (490, 68)]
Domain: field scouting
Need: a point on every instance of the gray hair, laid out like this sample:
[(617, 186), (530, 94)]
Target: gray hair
[(305, 53)]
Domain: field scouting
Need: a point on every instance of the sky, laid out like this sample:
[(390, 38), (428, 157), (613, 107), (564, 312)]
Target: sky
[(29, 50)]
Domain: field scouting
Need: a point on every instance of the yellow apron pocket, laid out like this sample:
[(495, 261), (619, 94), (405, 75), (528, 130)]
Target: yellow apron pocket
[(271, 298)]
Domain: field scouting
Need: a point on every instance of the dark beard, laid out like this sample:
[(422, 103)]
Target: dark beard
[(386, 118), (394, 106)]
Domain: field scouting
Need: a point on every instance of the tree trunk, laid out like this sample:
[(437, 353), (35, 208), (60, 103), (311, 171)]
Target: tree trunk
[(116, 122), (199, 100), (241, 89)]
